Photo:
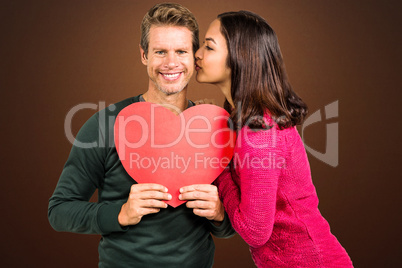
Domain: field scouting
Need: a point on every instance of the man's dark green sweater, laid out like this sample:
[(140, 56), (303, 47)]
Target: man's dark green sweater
[(174, 237)]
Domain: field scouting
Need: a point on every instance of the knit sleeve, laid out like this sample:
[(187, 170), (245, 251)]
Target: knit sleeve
[(69, 207), (249, 195), (226, 187)]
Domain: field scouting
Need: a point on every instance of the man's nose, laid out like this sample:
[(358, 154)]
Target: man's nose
[(171, 60)]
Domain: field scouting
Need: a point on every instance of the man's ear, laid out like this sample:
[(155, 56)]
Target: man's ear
[(144, 58)]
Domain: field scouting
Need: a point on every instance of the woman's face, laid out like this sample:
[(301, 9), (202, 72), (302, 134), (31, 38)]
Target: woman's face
[(211, 59)]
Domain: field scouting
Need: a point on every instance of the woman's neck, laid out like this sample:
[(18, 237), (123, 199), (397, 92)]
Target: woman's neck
[(227, 92)]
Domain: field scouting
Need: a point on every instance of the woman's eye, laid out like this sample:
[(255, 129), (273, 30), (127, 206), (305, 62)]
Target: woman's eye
[(208, 48)]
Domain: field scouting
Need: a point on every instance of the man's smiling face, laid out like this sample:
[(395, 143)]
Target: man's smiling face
[(170, 59)]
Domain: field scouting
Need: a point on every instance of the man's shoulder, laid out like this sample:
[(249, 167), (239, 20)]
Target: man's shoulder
[(114, 109), (103, 120), (105, 117)]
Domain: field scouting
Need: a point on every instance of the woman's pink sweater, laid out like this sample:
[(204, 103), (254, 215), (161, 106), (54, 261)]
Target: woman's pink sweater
[(272, 203)]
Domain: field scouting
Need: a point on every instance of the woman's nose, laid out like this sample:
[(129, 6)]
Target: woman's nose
[(198, 54)]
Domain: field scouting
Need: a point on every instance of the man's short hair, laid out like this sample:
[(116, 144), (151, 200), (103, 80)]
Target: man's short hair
[(168, 14)]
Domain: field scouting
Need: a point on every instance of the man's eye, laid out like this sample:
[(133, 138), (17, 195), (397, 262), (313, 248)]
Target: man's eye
[(181, 52), (160, 52)]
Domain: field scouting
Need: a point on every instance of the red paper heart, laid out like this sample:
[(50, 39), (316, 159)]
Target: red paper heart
[(157, 146)]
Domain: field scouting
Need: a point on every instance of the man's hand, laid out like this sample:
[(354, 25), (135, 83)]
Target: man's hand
[(144, 199), (204, 200)]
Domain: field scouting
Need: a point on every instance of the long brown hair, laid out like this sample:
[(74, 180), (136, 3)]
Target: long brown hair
[(259, 79)]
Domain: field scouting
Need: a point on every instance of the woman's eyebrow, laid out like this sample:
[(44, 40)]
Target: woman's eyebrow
[(210, 39)]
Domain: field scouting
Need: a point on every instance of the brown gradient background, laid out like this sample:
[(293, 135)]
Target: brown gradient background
[(58, 54)]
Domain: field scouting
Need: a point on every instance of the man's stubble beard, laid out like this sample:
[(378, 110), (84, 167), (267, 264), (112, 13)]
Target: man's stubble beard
[(169, 93)]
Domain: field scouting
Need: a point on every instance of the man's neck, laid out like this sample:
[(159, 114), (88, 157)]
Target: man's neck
[(177, 103)]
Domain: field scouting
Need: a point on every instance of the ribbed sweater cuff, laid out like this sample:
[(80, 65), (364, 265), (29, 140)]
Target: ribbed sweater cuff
[(108, 218), (224, 230)]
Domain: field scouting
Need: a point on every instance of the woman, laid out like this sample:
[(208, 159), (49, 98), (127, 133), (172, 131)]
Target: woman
[(267, 191)]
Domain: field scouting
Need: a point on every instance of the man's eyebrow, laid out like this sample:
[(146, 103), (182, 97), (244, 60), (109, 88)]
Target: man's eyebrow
[(210, 39)]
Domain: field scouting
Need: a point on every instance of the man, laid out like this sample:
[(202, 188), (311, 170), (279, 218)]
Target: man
[(138, 229)]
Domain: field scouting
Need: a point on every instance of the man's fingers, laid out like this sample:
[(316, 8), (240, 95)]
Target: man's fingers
[(199, 187), (146, 211), (206, 192), (209, 214), (200, 204), (152, 203), (152, 195), (197, 195), (140, 187)]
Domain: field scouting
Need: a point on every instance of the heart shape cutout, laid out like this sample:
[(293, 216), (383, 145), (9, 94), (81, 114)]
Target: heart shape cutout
[(157, 146)]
